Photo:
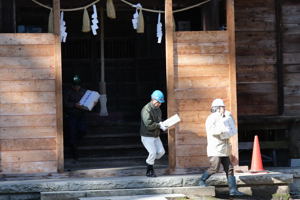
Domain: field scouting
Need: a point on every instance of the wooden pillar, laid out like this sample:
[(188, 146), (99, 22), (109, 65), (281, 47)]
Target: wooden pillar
[(232, 75), (279, 56), (58, 87), (56, 17), (170, 80)]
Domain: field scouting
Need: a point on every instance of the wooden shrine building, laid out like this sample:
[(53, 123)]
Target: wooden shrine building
[(245, 52)]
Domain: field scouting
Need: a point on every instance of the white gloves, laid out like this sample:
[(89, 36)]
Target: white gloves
[(162, 127), (225, 135)]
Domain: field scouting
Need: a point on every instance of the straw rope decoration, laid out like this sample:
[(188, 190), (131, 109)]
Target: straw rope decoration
[(162, 11), (67, 9), (110, 9), (126, 2), (86, 25), (111, 13)]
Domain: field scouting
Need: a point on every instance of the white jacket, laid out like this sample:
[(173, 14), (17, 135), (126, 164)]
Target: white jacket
[(219, 129)]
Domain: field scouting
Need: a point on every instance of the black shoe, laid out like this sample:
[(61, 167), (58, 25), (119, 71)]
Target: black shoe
[(150, 171)]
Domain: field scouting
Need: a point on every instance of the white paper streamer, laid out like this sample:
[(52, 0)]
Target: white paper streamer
[(136, 16), (159, 32), (63, 33), (95, 21)]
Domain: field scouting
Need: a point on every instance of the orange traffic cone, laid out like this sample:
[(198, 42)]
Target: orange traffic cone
[(256, 163)]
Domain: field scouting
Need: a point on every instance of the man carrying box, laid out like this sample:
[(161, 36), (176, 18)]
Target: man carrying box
[(151, 123), (75, 114)]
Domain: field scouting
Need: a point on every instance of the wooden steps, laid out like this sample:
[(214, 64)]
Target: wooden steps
[(109, 143)]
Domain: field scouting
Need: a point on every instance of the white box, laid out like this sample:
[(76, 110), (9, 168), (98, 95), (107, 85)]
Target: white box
[(171, 121), (89, 99)]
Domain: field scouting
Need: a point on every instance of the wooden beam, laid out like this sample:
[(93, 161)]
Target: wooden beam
[(279, 56), (58, 87), (56, 17), (170, 80), (232, 76)]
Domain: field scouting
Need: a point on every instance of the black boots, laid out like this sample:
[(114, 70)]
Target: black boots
[(150, 171), (203, 178), (232, 187)]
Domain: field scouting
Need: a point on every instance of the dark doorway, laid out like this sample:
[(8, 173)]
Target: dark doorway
[(134, 67)]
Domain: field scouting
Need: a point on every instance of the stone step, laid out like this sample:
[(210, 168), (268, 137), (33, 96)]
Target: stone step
[(126, 193), (139, 197), (160, 170), (260, 184), (121, 172)]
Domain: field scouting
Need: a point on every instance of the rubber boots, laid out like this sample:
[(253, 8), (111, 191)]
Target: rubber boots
[(203, 178), (150, 171), (233, 188)]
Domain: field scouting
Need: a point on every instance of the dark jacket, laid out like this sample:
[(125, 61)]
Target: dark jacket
[(150, 118), (72, 97)]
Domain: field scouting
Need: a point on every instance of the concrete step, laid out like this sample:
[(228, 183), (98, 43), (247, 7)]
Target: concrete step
[(258, 185), (125, 171), (72, 195), (139, 197)]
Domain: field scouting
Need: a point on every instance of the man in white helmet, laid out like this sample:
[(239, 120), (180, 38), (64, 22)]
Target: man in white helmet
[(220, 127)]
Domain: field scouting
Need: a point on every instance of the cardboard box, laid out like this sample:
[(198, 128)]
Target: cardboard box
[(89, 99)]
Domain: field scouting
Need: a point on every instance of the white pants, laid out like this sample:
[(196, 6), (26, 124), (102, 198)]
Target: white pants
[(154, 148)]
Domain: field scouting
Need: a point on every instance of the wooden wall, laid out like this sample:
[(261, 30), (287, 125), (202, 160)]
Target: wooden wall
[(256, 57), (291, 56), (27, 103), (268, 57), (201, 62)]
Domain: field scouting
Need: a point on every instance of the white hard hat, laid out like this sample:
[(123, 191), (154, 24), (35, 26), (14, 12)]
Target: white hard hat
[(217, 102)]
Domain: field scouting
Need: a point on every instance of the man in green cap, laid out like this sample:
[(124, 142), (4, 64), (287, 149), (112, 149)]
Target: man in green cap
[(75, 114)]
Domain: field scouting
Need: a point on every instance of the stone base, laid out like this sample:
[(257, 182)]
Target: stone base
[(138, 197), (73, 188), (295, 162), (260, 191), (74, 195)]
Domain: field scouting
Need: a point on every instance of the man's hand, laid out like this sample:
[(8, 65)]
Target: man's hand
[(77, 105), (162, 127)]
